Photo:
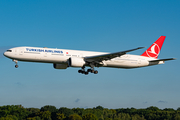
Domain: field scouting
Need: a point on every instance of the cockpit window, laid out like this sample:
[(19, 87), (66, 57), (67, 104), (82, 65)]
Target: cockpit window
[(9, 50)]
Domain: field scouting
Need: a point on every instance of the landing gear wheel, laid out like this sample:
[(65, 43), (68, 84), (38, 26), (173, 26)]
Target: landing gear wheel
[(83, 72), (16, 66), (95, 72), (79, 71), (89, 70), (86, 73), (92, 71)]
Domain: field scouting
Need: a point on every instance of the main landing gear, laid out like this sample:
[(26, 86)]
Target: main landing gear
[(16, 66), (88, 70)]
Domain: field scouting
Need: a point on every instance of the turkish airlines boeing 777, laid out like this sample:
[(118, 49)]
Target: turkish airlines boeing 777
[(63, 58)]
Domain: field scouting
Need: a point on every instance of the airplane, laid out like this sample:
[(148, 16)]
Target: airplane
[(64, 58)]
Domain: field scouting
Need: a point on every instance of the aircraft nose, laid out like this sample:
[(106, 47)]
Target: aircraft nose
[(5, 54)]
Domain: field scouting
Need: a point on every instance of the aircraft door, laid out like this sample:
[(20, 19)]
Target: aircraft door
[(21, 52), (139, 61)]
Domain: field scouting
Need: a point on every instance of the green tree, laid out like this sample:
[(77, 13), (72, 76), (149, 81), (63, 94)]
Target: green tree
[(152, 108), (166, 115), (98, 113), (107, 118), (75, 117), (9, 117), (46, 115), (49, 108), (177, 117), (60, 116), (34, 118), (52, 109), (4, 113), (32, 112), (15, 110), (151, 116), (123, 116), (89, 116), (109, 113), (99, 107), (65, 111), (78, 111), (168, 109), (137, 117), (86, 111)]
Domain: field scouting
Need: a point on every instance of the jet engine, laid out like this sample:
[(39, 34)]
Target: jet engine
[(60, 66), (76, 62)]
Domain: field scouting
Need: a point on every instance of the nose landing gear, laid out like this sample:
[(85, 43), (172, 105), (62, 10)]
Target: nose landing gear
[(16, 66)]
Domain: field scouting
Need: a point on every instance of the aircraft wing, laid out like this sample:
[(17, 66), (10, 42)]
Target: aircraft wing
[(162, 60), (100, 58)]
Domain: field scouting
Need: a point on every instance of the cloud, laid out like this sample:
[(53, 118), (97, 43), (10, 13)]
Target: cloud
[(18, 83), (161, 101), (77, 100)]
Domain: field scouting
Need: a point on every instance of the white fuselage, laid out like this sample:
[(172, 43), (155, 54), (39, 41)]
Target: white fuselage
[(61, 56)]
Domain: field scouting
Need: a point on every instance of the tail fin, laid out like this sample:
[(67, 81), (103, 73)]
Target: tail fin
[(154, 50)]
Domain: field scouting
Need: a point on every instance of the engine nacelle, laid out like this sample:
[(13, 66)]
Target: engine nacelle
[(76, 62), (60, 66)]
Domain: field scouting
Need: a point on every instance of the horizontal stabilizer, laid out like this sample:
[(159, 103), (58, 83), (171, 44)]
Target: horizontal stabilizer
[(162, 60)]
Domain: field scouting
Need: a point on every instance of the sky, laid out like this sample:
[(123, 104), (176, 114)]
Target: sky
[(104, 26)]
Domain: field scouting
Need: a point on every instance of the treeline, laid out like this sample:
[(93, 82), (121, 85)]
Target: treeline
[(18, 112)]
